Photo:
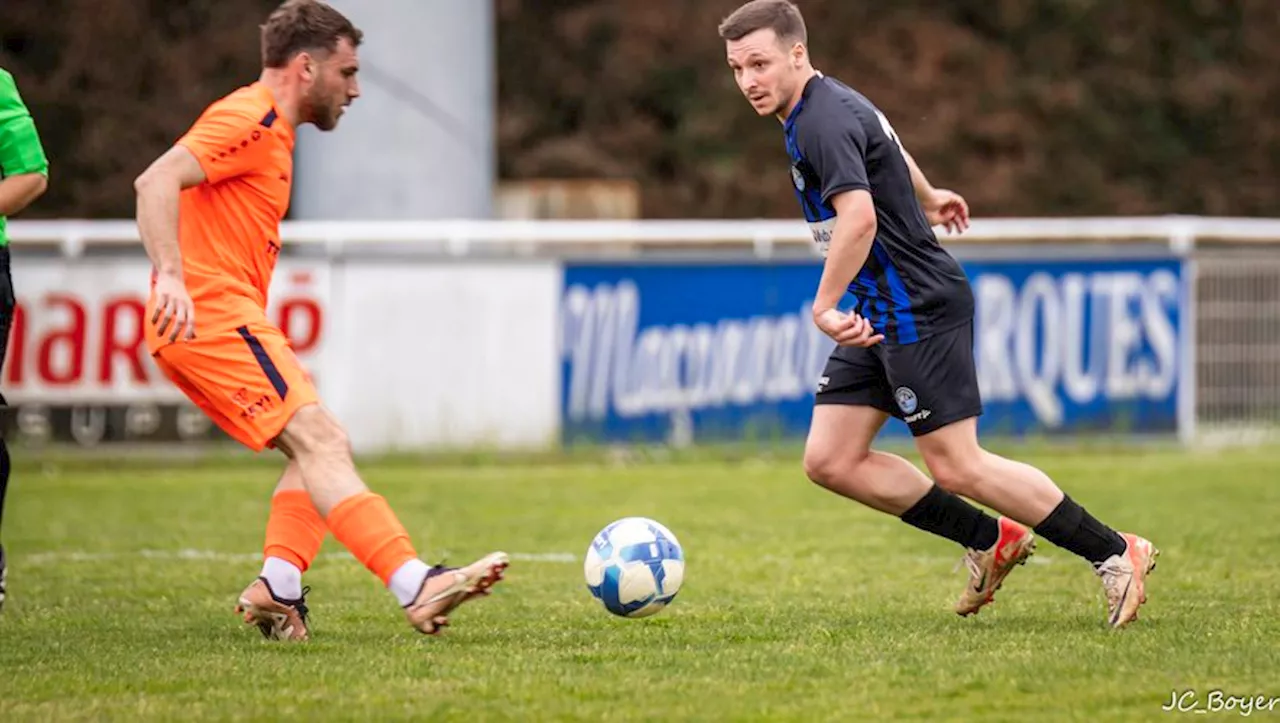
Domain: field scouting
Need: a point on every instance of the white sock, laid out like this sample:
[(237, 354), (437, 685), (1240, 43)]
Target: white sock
[(406, 582), (284, 578)]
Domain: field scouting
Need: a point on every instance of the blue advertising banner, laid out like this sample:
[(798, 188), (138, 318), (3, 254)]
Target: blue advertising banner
[(705, 351)]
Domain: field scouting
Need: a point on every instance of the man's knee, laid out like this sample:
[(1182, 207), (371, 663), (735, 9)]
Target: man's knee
[(839, 440), (819, 466), (826, 466), (314, 431)]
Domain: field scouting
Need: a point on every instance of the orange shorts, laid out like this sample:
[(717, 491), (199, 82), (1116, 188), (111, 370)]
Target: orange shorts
[(247, 380)]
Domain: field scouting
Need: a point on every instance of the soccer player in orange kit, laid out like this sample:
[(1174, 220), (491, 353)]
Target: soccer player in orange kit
[(208, 212)]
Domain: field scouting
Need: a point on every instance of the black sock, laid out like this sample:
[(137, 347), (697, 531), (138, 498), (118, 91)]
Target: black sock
[(1072, 528), (4, 474), (4, 416), (949, 516)]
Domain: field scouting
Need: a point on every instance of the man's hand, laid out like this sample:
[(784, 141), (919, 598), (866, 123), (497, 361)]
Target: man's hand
[(846, 329), (174, 306), (948, 209)]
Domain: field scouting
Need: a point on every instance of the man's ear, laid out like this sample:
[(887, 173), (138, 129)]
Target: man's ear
[(306, 66)]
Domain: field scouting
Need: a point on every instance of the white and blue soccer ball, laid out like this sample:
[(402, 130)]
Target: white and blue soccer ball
[(634, 567)]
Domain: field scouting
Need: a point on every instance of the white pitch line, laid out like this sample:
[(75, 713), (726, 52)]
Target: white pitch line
[(40, 558)]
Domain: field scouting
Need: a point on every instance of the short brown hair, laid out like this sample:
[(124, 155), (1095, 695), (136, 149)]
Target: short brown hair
[(781, 16), (301, 25)]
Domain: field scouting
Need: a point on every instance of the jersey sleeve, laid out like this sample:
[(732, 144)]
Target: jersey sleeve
[(836, 148), (20, 148), (228, 142)]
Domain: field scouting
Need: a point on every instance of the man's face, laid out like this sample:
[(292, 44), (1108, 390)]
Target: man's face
[(765, 70), (334, 85)]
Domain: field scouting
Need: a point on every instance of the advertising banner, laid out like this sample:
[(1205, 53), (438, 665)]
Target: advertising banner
[(689, 351), (78, 369)]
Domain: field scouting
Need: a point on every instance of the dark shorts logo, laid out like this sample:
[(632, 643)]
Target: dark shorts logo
[(797, 178), (906, 399)]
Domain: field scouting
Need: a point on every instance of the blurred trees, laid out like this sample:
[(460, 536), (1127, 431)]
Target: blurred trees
[(112, 83), (1052, 107), (1048, 108)]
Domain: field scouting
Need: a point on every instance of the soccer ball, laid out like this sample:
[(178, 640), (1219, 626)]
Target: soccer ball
[(634, 567)]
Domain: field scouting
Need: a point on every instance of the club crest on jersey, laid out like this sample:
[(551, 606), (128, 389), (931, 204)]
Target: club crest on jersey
[(797, 177), (906, 399)]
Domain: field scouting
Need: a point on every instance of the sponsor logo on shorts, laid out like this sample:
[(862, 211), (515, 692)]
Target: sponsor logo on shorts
[(249, 408), (822, 384), (909, 403), (906, 399), (919, 416)]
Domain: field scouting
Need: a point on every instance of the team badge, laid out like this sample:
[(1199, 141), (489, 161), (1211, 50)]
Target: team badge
[(907, 400)]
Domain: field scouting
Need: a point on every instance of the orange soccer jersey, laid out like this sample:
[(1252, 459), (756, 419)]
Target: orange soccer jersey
[(239, 369)]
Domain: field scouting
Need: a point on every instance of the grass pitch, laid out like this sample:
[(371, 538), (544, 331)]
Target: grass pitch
[(797, 605)]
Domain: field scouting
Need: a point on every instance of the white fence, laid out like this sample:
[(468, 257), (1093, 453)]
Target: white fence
[(762, 237), (428, 334)]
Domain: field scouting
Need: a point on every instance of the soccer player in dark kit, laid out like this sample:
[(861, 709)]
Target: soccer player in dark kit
[(906, 349)]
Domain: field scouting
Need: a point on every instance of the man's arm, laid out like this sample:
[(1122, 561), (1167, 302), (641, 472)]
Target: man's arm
[(836, 148), (158, 190), (224, 143), (17, 192), (24, 167), (851, 239), (850, 245), (941, 207), (924, 189)]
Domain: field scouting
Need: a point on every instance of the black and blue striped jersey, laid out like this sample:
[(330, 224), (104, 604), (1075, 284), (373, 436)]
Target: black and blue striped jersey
[(910, 287)]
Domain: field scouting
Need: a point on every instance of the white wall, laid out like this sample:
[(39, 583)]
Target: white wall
[(445, 353)]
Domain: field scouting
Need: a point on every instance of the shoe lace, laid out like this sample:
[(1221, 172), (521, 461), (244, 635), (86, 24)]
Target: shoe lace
[(301, 604), (971, 561), (1113, 571), (438, 568)]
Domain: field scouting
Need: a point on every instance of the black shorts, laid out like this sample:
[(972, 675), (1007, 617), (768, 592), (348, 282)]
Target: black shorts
[(928, 384)]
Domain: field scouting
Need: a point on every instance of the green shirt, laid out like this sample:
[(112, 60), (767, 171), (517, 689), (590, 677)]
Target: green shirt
[(20, 149)]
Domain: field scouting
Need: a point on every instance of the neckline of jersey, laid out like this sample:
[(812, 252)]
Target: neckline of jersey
[(804, 95), (270, 97)]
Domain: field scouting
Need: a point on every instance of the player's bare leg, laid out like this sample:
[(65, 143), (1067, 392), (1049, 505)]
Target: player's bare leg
[(838, 456), (365, 524), (960, 464), (275, 601), (1026, 494)]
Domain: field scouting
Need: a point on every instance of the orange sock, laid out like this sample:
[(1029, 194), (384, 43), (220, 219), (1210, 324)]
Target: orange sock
[(365, 525), (294, 529)]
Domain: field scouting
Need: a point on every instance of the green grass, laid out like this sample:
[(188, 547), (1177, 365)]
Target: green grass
[(796, 606)]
